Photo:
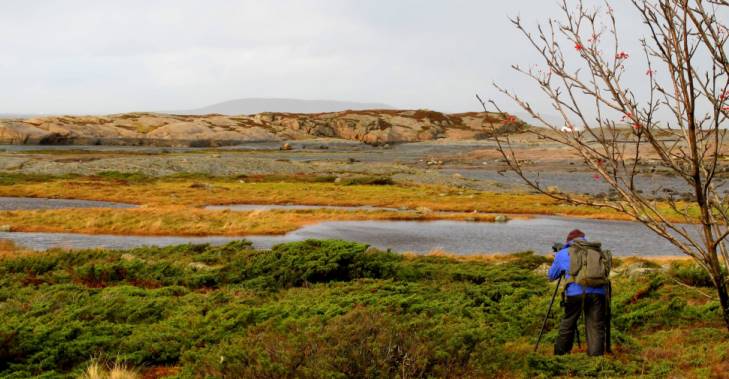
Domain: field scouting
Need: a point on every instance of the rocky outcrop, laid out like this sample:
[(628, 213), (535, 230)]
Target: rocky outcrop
[(369, 126)]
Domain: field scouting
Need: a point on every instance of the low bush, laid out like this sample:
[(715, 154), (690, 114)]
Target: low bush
[(691, 274), (314, 309), (8, 178), (136, 177), (368, 180)]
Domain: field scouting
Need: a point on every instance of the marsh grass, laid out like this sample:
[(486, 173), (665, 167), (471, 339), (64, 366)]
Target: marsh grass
[(123, 187), (309, 190), (183, 221), (8, 249), (95, 370), (172, 205)]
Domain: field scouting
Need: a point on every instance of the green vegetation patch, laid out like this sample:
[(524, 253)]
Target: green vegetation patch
[(8, 179), (320, 309), (368, 180)]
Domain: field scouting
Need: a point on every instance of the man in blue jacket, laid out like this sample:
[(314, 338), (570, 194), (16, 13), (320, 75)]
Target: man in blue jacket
[(579, 299)]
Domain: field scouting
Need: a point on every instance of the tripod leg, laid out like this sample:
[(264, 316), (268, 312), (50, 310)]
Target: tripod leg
[(549, 311), (608, 318), (584, 320)]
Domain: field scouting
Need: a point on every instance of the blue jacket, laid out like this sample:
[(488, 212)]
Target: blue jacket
[(562, 264)]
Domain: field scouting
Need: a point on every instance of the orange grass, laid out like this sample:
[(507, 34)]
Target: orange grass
[(8, 249), (222, 192), (178, 220), (173, 206), (658, 259)]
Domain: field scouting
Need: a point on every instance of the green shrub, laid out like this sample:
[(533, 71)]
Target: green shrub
[(308, 262), (583, 366), (360, 343), (324, 179), (124, 176), (691, 274), (311, 309), (368, 180), (9, 178)]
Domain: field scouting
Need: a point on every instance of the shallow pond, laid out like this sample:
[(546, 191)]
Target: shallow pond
[(537, 234), (25, 203)]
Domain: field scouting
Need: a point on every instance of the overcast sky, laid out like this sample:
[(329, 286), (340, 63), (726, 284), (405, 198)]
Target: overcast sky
[(98, 56)]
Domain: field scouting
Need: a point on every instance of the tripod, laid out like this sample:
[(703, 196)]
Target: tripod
[(549, 311)]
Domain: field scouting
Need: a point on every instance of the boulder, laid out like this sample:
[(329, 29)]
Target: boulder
[(199, 266), (501, 218), (17, 133), (543, 269), (636, 270), (372, 250), (640, 272)]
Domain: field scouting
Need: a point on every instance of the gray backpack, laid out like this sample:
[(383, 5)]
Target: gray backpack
[(590, 265)]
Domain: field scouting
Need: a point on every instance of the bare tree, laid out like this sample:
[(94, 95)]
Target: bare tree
[(677, 125)]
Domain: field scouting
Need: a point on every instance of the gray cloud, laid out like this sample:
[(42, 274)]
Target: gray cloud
[(86, 56)]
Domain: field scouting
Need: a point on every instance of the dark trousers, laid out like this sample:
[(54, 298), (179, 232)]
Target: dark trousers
[(595, 307)]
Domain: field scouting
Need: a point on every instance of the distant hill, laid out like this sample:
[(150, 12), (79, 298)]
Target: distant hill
[(259, 105), (6, 116)]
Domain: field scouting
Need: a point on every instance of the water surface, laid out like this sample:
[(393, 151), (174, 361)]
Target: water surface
[(460, 237), (26, 203)]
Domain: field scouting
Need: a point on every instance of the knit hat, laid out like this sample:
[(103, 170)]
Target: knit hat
[(577, 233)]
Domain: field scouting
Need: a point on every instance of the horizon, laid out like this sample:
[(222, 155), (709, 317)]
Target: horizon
[(201, 110), (182, 111)]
